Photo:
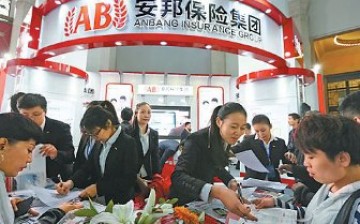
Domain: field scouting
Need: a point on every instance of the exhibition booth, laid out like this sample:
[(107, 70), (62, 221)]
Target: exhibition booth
[(167, 53)]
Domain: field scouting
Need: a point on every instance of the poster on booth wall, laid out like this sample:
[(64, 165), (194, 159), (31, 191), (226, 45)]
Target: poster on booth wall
[(208, 98), (120, 95)]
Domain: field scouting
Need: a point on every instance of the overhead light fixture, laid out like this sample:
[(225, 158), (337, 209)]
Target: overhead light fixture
[(345, 42), (287, 54), (163, 43), (271, 61), (316, 68), (58, 2), (118, 43), (268, 11), (208, 46)]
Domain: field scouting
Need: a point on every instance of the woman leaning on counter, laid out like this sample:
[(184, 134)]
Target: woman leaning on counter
[(18, 137), (204, 157)]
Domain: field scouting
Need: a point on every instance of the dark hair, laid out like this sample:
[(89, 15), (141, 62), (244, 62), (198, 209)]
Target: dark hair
[(205, 102), (96, 116), (107, 105), (246, 126), (123, 98), (126, 114), (304, 107), (350, 106), (329, 134), (15, 127), (187, 123), (14, 101), (261, 119), (294, 116), (113, 100), (31, 100), (219, 157), (214, 100), (135, 121)]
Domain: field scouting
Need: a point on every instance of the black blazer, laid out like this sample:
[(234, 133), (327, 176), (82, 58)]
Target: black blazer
[(127, 127), (120, 173), (151, 159), (58, 134), (277, 152), (195, 168), (80, 158)]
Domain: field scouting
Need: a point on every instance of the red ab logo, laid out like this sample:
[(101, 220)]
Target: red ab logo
[(102, 17)]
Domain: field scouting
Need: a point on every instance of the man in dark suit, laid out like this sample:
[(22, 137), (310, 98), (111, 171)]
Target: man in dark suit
[(126, 116), (58, 146)]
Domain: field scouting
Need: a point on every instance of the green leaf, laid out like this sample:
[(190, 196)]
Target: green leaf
[(173, 201), (161, 200), (109, 207), (92, 206), (85, 212), (202, 217)]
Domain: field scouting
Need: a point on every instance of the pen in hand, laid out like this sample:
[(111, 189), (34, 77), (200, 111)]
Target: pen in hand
[(240, 193), (60, 180)]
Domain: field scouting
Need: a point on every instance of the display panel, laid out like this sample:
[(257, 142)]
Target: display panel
[(165, 118)]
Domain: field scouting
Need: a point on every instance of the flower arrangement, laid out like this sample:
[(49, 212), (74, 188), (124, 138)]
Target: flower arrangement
[(152, 213)]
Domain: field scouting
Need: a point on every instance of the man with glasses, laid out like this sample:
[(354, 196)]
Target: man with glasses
[(58, 146)]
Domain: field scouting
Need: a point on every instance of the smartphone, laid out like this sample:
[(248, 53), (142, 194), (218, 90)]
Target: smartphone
[(220, 211), (23, 206)]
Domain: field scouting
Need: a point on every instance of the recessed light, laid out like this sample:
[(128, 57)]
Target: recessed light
[(268, 11), (287, 54), (163, 43), (271, 61), (208, 46), (118, 43), (58, 2)]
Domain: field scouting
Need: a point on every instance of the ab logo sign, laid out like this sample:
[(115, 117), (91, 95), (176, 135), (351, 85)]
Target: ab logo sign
[(105, 15)]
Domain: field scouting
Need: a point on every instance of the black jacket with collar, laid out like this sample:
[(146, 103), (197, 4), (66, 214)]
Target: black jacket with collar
[(151, 159), (196, 167), (120, 172), (277, 152), (58, 134)]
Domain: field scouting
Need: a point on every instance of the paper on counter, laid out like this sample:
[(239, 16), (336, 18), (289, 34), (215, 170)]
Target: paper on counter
[(249, 159), (51, 198), (271, 185), (273, 215)]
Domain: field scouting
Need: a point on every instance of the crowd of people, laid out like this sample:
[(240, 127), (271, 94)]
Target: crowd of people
[(119, 160)]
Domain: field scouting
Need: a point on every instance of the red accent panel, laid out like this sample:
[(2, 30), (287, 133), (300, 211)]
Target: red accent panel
[(309, 76), (35, 25), (155, 39), (5, 37), (288, 35), (46, 65), (321, 92)]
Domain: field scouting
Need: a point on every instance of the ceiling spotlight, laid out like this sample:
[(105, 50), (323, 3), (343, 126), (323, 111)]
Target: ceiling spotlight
[(58, 2), (118, 43), (268, 11), (287, 54), (208, 46), (271, 61), (163, 43)]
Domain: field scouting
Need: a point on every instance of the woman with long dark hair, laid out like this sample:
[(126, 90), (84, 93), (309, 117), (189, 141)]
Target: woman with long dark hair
[(204, 157)]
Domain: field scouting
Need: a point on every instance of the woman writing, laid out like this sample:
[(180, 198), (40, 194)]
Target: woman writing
[(18, 137), (112, 169), (204, 157)]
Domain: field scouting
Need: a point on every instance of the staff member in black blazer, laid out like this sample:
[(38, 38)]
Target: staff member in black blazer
[(147, 142), (267, 148), (58, 145), (111, 169), (88, 144), (204, 156)]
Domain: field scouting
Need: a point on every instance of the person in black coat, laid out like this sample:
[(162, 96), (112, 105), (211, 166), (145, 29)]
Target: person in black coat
[(267, 148), (204, 156), (112, 169), (88, 144), (126, 116), (58, 146), (147, 142)]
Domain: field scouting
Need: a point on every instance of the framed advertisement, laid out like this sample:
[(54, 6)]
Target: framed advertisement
[(208, 97), (120, 95)]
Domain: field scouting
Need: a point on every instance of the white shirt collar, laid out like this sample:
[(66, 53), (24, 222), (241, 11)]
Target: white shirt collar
[(42, 126)]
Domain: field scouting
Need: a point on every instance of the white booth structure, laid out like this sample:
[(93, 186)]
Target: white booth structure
[(176, 53)]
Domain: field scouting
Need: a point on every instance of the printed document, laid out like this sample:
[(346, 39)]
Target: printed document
[(249, 159)]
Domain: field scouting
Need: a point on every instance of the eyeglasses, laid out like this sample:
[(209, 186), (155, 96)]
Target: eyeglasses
[(96, 133)]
